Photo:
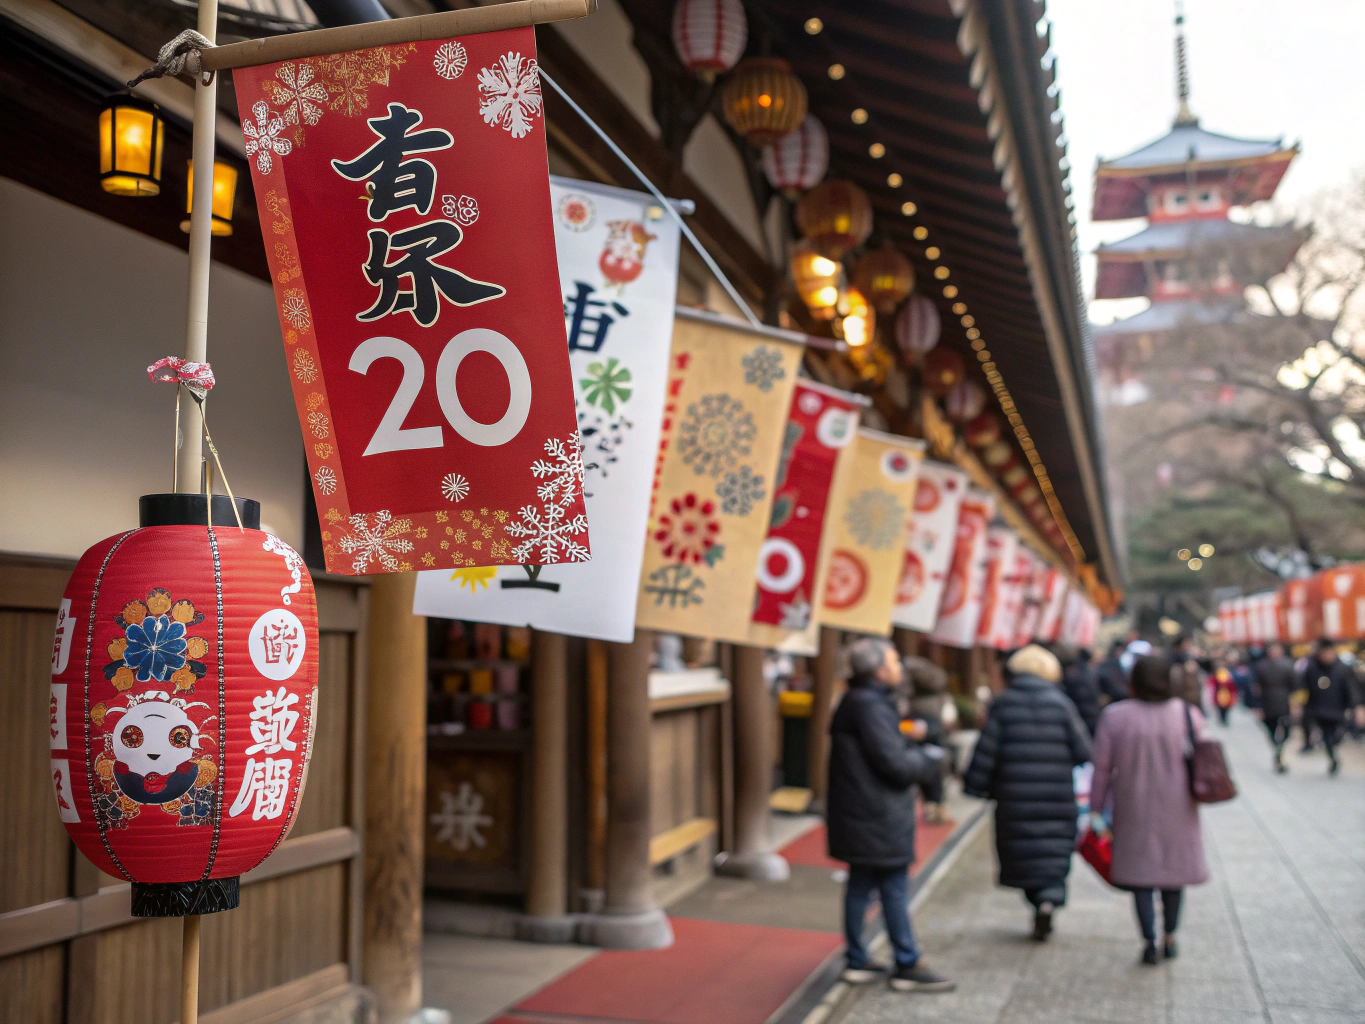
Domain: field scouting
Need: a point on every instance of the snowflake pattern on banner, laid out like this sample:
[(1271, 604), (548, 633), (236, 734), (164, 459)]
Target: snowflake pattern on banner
[(795, 614), (326, 479), (547, 535), (263, 138), (740, 491), (295, 92), (875, 518), (295, 309), (509, 94), (450, 60), (454, 487), (763, 368), (562, 472), (348, 76), (676, 584), (716, 434), (376, 541)]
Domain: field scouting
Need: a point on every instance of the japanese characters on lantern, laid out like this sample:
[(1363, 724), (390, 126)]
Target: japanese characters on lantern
[(408, 228), (618, 269)]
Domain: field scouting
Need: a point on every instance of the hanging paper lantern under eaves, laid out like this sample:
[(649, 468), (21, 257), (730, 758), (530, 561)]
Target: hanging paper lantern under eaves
[(798, 161), (965, 401), (836, 216), (943, 369), (918, 327), (885, 277), (763, 100), (184, 693), (709, 35)]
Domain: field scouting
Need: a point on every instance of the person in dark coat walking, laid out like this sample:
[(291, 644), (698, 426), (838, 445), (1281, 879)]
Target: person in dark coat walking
[(1112, 676), (1023, 761), (870, 815), (1080, 683), (1273, 680), (1331, 698)]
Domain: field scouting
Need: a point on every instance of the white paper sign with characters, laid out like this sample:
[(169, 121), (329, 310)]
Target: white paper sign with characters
[(618, 271)]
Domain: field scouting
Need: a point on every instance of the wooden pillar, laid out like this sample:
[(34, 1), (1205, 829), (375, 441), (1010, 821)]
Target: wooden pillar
[(630, 919), (547, 885), (753, 772), (906, 641), (395, 797), (822, 707), (596, 729)]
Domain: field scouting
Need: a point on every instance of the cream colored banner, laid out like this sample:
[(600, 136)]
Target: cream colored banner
[(729, 390), (870, 517)]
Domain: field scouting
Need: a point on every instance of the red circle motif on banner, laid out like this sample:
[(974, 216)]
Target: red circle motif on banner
[(847, 580), (912, 580)]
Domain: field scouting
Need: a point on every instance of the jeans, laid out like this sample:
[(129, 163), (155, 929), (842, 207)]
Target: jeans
[(893, 886), (1145, 902), (1331, 733)]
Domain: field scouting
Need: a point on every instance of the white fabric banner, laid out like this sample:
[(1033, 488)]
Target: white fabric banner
[(929, 546), (961, 608), (618, 271)]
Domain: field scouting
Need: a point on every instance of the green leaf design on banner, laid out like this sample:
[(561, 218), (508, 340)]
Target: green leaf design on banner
[(605, 385)]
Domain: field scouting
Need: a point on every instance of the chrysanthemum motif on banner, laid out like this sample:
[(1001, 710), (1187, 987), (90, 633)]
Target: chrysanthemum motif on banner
[(419, 300)]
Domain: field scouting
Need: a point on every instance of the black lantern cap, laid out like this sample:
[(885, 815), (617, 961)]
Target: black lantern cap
[(181, 899), (190, 510)]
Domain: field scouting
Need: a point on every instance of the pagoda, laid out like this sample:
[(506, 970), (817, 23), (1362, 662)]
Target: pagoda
[(1191, 260)]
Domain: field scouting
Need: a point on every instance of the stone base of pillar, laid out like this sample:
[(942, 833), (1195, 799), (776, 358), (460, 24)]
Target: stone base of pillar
[(648, 930), (559, 930), (759, 867)]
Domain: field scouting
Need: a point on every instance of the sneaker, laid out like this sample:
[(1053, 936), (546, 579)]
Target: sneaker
[(1042, 922), (1171, 949), (1281, 768), (865, 974), (1149, 956), (918, 978), (1333, 767)]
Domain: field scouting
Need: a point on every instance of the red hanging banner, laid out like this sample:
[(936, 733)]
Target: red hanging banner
[(404, 199)]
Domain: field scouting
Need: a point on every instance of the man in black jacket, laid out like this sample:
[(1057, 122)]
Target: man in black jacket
[(1113, 677), (1272, 681), (1331, 698), (1023, 761), (873, 772), (1080, 683)]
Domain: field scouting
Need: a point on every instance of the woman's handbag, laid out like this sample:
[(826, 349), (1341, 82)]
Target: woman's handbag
[(1210, 780), (1098, 852)]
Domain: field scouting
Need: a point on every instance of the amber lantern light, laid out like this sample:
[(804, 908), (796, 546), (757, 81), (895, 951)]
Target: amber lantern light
[(818, 280), (885, 277), (857, 321), (836, 216), (763, 100), (131, 139), (224, 197)]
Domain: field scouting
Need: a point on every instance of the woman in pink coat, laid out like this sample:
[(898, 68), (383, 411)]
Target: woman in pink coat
[(1141, 772)]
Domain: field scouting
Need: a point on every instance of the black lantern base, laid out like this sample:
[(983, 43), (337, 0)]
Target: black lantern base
[(191, 510), (181, 899)]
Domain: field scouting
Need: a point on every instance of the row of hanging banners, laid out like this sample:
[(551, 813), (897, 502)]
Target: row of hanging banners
[(672, 473), (1330, 603)]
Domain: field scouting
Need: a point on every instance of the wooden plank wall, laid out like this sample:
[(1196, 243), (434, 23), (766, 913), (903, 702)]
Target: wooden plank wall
[(69, 951)]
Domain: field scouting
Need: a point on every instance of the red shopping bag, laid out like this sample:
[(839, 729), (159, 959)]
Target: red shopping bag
[(1098, 851)]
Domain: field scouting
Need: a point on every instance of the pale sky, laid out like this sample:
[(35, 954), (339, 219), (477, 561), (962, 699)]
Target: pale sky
[(1258, 69)]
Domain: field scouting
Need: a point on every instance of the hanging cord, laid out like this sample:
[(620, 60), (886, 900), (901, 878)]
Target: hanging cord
[(687, 231), (217, 462), (177, 57), (198, 380)]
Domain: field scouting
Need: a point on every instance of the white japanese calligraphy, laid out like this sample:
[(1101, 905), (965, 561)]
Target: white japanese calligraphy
[(267, 781)]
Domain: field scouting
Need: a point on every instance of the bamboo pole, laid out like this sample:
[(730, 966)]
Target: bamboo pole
[(343, 38), (188, 472), (189, 970)]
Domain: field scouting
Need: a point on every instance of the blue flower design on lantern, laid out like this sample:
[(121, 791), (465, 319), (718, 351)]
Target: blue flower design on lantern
[(156, 648)]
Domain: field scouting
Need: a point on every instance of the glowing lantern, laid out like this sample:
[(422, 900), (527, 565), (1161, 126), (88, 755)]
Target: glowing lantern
[(184, 693), (709, 35), (965, 401), (918, 327), (818, 280), (983, 430), (943, 370), (885, 277), (131, 140), (856, 322), (836, 216), (763, 100), (998, 455), (224, 197), (799, 159)]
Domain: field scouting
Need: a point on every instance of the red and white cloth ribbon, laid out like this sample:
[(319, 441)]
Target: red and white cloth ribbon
[(198, 377)]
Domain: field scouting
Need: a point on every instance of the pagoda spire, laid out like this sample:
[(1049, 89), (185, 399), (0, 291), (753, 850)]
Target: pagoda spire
[(1184, 115)]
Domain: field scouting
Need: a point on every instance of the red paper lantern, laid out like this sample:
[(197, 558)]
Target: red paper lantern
[(709, 35), (885, 277), (184, 693), (836, 216), (965, 401), (943, 370), (983, 430), (918, 327), (798, 160)]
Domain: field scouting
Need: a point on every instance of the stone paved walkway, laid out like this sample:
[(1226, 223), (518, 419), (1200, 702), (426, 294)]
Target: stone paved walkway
[(1277, 936)]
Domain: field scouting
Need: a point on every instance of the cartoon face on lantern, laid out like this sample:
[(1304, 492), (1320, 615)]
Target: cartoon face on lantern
[(154, 743)]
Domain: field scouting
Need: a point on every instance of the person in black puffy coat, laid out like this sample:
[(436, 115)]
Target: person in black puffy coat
[(1023, 761), (870, 813), (1330, 700), (1080, 683)]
